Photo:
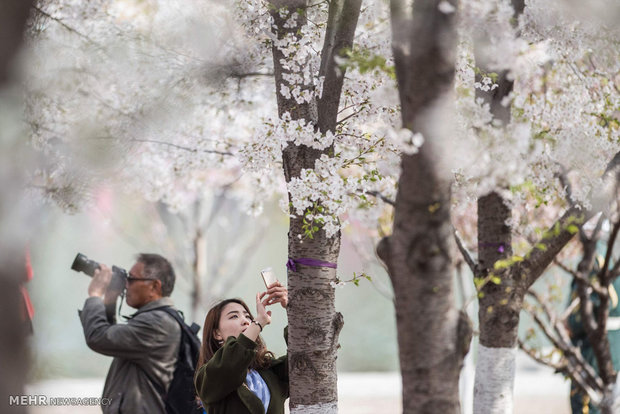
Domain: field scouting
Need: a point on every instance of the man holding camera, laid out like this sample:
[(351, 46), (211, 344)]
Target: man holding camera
[(145, 349)]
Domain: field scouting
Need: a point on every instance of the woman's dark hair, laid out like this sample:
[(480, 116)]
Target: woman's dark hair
[(210, 345)]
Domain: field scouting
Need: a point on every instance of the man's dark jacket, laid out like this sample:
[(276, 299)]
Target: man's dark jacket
[(145, 352)]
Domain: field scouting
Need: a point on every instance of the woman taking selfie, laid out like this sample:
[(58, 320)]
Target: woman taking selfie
[(236, 373)]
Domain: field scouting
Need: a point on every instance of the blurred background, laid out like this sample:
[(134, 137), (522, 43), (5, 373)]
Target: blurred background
[(212, 236), (117, 227)]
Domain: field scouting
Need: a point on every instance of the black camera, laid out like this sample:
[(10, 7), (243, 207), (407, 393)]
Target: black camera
[(85, 265)]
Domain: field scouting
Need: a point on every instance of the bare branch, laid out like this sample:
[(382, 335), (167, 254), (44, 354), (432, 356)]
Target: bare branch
[(554, 240), (350, 116), (65, 25), (170, 144), (595, 286), (558, 367), (613, 164), (565, 368), (603, 275), (614, 272), (569, 309), (244, 75), (466, 254), (562, 176), (382, 197), (561, 340), (341, 24)]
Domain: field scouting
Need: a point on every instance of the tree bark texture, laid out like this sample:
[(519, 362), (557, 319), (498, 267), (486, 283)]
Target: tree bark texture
[(314, 324), (433, 336), (13, 344), (199, 270), (13, 17), (498, 312), (499, 303)]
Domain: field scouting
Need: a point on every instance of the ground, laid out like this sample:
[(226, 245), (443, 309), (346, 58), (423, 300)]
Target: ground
[(537, 390)]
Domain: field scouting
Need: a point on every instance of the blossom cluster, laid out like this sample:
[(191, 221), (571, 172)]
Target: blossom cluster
[(175, 99), (563, 105)]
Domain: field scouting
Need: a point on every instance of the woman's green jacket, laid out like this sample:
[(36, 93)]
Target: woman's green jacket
[(220, 383)]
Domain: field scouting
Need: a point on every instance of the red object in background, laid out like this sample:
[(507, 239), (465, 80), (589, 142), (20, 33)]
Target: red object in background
[(28, 309)]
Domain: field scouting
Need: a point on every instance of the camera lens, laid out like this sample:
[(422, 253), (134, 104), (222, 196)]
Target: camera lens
[(81, 263)]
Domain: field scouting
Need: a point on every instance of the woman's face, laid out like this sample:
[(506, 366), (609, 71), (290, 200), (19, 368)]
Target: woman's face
[(233, 321)]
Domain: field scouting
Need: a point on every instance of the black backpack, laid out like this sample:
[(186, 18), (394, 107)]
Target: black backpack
[(181, 395)]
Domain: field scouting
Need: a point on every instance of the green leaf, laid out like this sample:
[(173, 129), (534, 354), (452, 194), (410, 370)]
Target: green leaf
[(541, 246), (501, 264)]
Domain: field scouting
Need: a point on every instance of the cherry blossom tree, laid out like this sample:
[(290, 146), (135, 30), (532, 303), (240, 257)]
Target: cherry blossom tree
[(298, 99), (197, 127), (433, 336), (531, 102)]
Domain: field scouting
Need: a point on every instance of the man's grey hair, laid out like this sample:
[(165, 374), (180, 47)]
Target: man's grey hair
[(158, 267)]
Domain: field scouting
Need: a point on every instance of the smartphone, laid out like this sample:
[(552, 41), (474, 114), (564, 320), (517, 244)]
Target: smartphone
[(268, 276)]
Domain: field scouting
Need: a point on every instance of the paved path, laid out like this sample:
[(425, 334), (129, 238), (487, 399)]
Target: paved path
[(536, 391)]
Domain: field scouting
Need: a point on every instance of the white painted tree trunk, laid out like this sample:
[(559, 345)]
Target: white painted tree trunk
[(327, 408), (611, 399), (466, 382), (494, 383)]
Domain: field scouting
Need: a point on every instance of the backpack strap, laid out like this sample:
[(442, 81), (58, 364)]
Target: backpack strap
[(185, 329), (180, 318)]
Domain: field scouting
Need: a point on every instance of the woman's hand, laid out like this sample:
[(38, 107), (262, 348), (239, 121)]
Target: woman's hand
[(276, 293)]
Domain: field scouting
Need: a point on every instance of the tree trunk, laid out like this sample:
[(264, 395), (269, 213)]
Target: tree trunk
[(498, 312), (314, 324), (13, 344), (611, 399), (199, 270), (433, 336), (499, 303)]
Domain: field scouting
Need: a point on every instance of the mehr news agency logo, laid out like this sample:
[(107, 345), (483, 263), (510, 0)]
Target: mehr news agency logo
[(29, 400)]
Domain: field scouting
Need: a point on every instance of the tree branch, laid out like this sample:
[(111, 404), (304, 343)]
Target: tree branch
[(554, 240), (341, 24), (466, 254), (562, 342), (566, 185), (65, 25), (244, 75), (382, 197), (603, 274), (170, 144), (558, 367), (558, 235), (595, 286)]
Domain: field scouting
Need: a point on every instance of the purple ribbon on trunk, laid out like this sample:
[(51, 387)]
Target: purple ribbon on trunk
[(291, 264), (501, 247)]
